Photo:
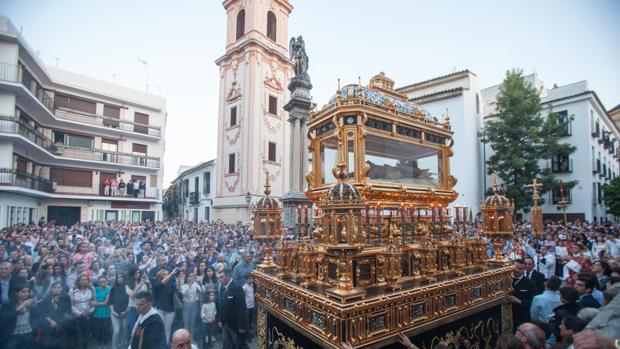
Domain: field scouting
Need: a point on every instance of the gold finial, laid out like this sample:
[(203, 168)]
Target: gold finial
[(267, 185)]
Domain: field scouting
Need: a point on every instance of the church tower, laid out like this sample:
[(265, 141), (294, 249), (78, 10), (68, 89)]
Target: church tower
[(252, 125)]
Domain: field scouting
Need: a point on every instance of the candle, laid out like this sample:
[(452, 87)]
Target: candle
[(464, 216), (306, 212), (299, 214)]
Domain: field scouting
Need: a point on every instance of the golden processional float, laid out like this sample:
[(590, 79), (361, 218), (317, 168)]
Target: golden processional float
[(381, 256)]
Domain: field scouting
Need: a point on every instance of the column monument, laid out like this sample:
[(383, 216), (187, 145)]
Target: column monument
[(295, 202)]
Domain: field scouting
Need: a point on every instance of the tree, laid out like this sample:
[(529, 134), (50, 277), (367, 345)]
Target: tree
[(611, 193), (521, 137)]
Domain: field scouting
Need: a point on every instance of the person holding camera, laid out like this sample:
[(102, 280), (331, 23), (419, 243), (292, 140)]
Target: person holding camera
[(164, 291), (16, 319)]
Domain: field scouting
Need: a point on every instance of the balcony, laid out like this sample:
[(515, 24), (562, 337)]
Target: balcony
[(14, 73), (100, 120), (24, 180), (11, 125), (106, 156), (194, 198)]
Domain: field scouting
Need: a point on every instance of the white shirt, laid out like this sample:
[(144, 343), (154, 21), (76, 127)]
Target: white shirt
[(548, 268), (191, 294), (132, 295), (208, 312), (249, 295)]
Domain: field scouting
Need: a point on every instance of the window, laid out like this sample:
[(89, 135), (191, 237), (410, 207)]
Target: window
[(271, 25), (273, 105), (206, 188), (196, 184), (73, 103), (142, 119), (111, 112), (557, 195), (109, 148), (233, 116), (562, 119), (139, 149), (561, 164), (240, 24), (185, 188), (74, 178), (231, 163), (79, 141), (272, 151), (207, 214), (153, 181), (594, 193)]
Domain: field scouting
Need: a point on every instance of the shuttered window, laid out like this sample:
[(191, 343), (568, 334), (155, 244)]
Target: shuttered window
[(74, 103), (272, 151), (231, 163), (69, 177), (111, 112), (271, 26), (233, 116), (273, 105), (138, 148), (143, 119)]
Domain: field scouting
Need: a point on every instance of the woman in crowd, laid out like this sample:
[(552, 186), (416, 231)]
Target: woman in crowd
[(136, 282), (599, 247), (16, 319), (82, 295), (102, 325), (119, 302), (191, 292), (58, 275), (164, 291), (570, 326), (55, 313), (201, 271), (602, 271), (210, 281), (40, 285)]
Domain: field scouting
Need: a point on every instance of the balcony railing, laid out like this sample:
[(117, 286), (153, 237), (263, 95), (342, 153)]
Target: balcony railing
[(17, 178), (106, 156), (100, 120), (194, 198), (13, 126), (11, 73), (9, 124)]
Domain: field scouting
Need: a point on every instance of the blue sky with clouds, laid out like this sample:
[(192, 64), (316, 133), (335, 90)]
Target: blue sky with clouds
[(564, 41)]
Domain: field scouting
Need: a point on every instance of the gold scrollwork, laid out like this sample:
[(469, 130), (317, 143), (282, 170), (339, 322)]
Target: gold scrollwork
[(469, 337), (261, 327), (506, 318), (278, 341)]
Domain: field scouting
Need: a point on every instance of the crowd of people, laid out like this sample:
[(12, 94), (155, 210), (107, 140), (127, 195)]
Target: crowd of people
[(132, 188), (119, 285), (98, 284)]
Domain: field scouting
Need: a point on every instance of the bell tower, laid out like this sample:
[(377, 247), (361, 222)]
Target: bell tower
[(252, 130)]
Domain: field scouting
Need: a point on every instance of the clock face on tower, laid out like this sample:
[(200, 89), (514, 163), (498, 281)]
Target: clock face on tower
[(350, 120)]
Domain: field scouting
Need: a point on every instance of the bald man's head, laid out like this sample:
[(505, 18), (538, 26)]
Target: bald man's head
[(181, 339), (531, 336)]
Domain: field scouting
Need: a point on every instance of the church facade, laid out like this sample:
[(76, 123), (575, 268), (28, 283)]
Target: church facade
[(252, 125)]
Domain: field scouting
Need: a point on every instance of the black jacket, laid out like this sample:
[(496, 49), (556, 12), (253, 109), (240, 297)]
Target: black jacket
[(152, 333), (560, 312), (588, 301), (231, 308), (539, 280), (524, 290)]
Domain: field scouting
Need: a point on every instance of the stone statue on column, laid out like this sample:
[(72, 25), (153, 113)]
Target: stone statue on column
[(298, 108)]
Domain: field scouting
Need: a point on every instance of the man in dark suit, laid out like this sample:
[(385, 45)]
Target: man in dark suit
[(148, 332), (523, 291), (534, 275), (232, 312), (585, 284)]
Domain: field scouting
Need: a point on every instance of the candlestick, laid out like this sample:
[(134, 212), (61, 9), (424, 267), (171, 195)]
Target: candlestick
[(306, 212)]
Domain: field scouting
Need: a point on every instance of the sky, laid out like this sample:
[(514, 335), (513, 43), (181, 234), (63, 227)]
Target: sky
[(563, 41)]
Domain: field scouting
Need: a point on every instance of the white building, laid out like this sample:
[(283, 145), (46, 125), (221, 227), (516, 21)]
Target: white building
[(458, 95), (190, 196), (252, 125), (63, 134), (592, 132)]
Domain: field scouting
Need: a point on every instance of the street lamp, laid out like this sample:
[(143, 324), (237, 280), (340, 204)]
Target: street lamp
[(248, 199)]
